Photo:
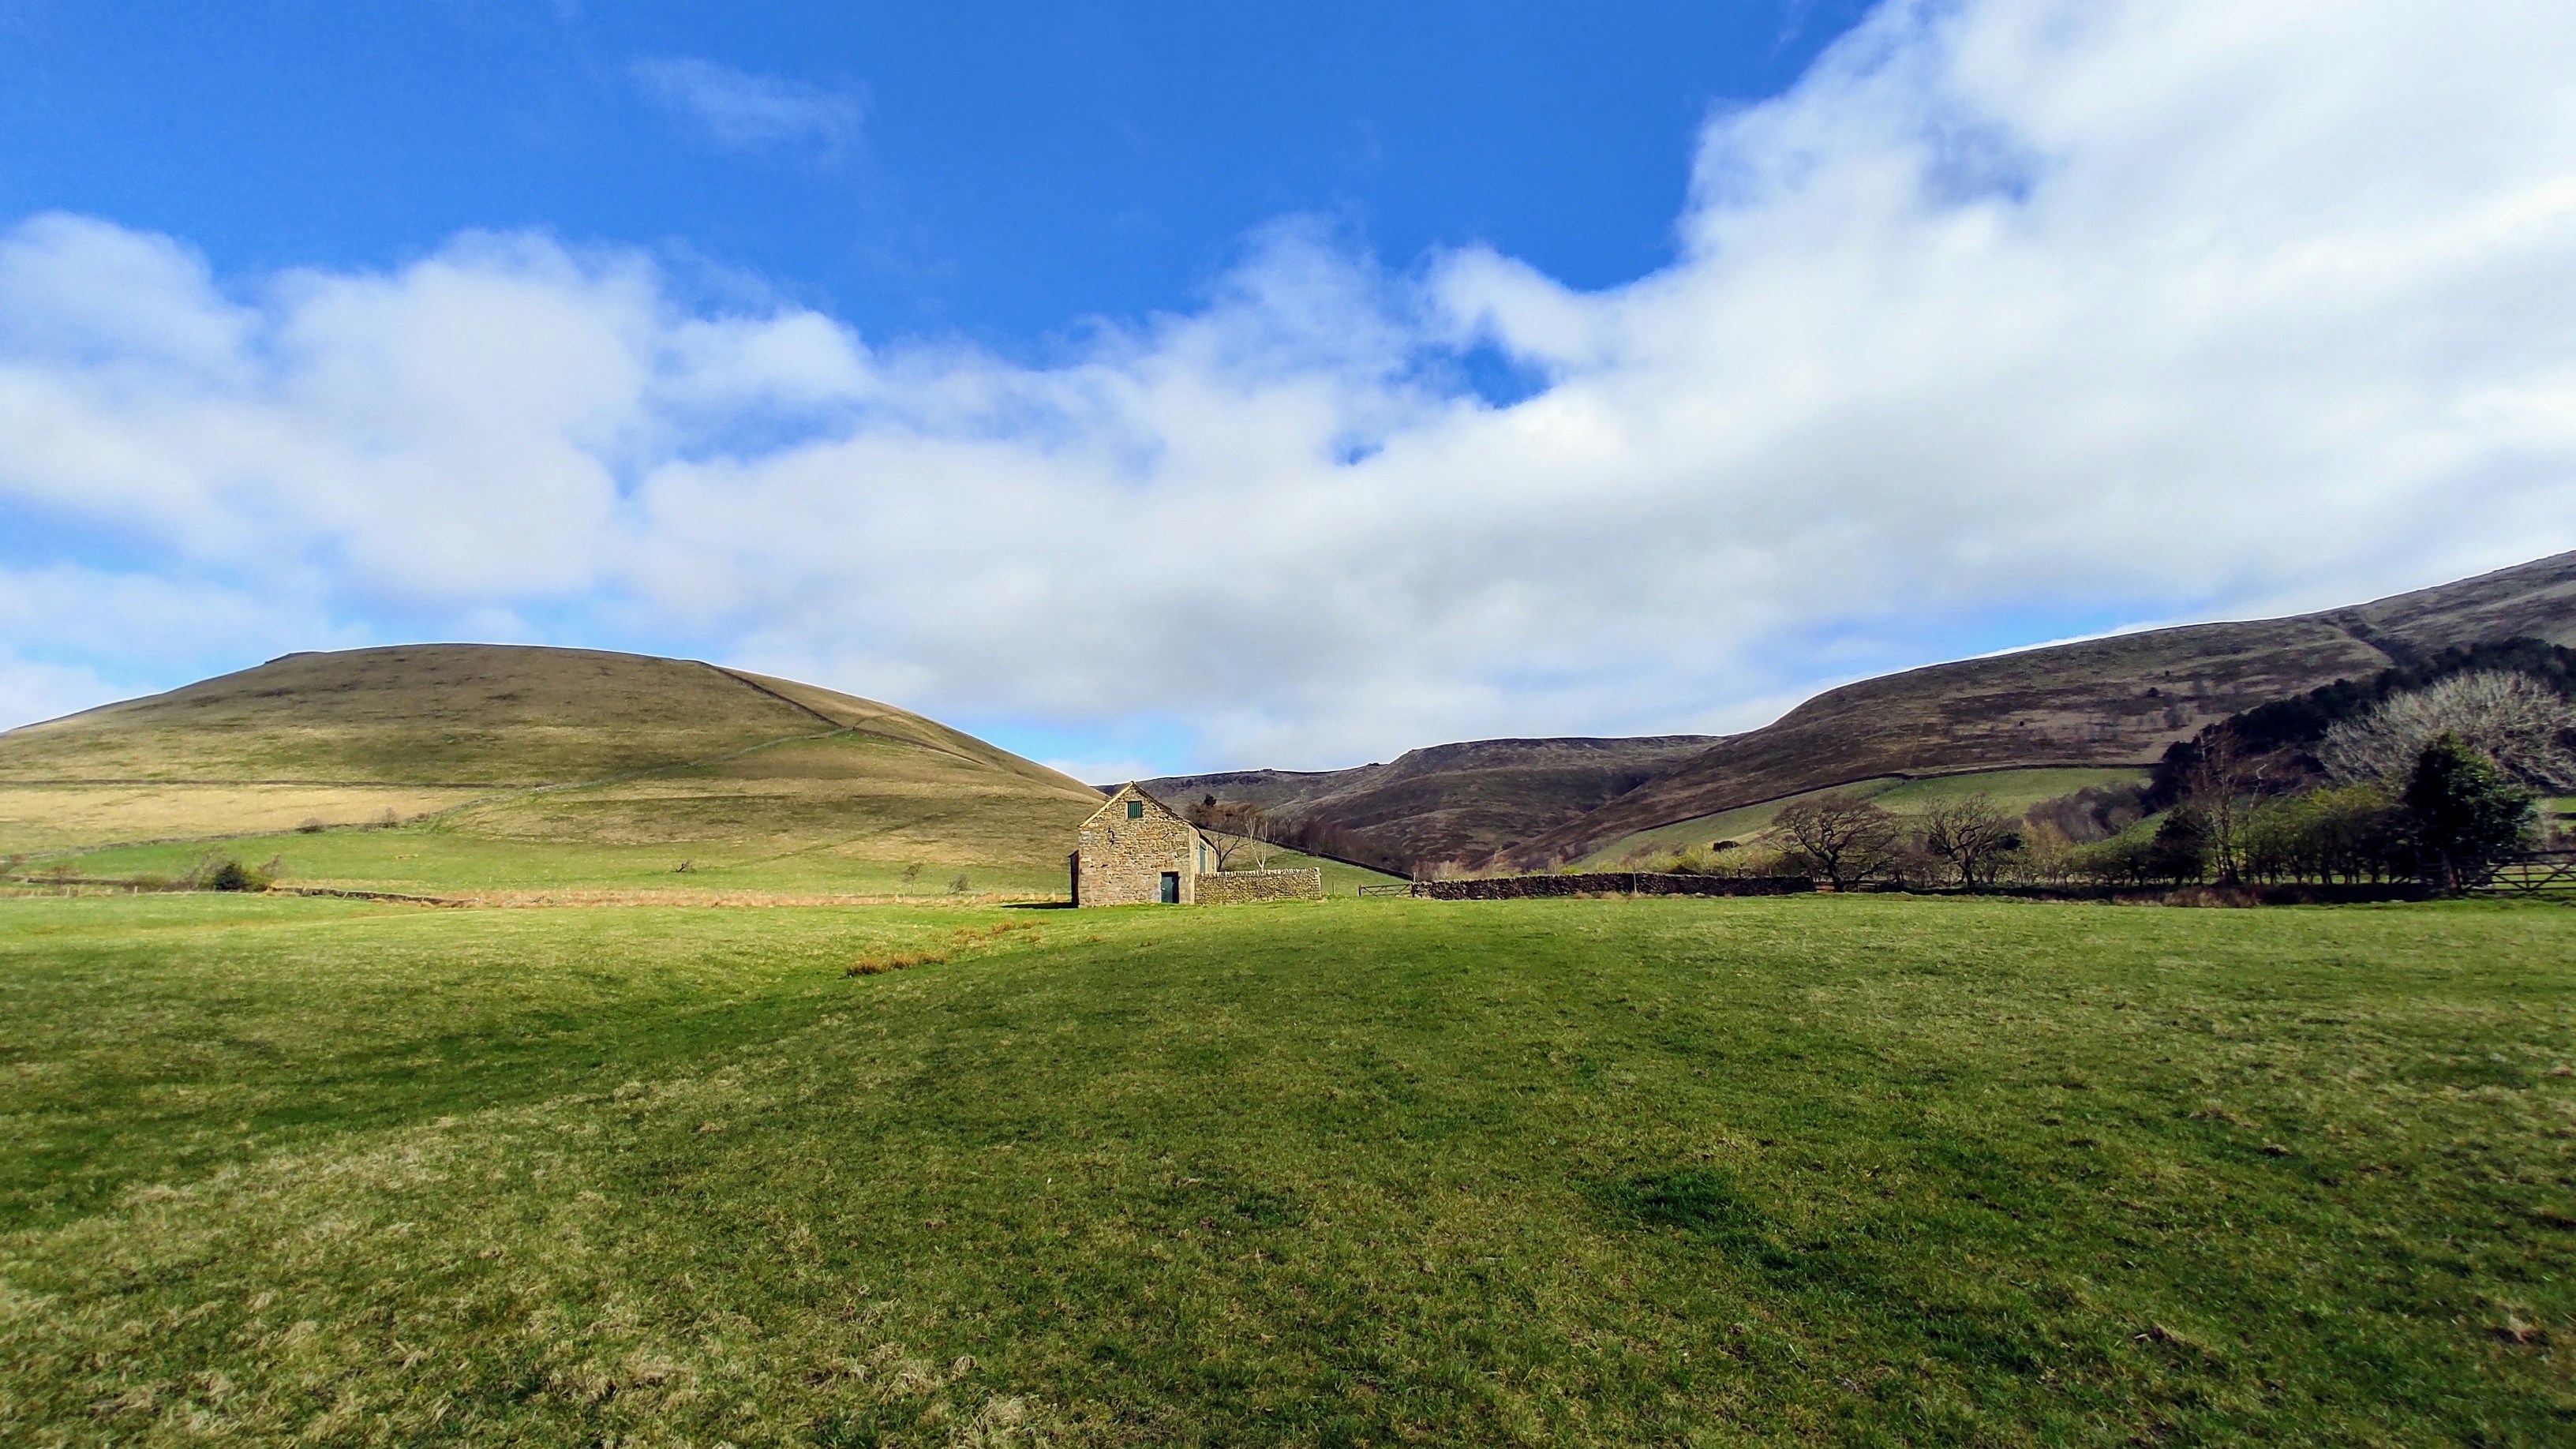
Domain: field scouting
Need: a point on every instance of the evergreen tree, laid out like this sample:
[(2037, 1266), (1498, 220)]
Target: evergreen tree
[(2465, 813), (2180, 851)]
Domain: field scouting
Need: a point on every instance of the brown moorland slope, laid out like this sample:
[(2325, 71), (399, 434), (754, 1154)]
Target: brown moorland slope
[(2535, 600), (2117, 701), (2104, 703), (1448, 801), (522, 742)]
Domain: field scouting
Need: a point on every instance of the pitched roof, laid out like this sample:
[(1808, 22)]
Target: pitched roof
[(1135, 791)]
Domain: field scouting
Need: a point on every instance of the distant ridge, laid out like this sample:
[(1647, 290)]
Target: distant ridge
[(2104, 702), (1446, 801), (590, 744), (2117, 701)]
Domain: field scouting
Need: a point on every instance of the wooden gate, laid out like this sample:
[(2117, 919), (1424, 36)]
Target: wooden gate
[(2542, 875)]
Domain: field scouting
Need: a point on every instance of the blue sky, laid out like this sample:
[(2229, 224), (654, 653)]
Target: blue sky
[(1162, 387), (1001, 170)]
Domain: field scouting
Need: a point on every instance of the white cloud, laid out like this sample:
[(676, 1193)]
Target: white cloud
[(82, 291), (2012, 311), (73, 637), (35, 689), (1116, 770), (740, 111)]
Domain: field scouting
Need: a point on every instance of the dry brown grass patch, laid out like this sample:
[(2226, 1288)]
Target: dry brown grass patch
[(965, 940), (897, 961)]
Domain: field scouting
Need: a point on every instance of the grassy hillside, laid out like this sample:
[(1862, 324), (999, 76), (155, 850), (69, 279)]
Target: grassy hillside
[(1451, 801), (2116, 701), (48, 819), (579, 759), (2109, 702), (1836, 1170), (2014, 790), (2102, 704), (438, 714)]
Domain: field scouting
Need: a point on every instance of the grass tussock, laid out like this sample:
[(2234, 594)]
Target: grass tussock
[(894, 961), (964, 941)]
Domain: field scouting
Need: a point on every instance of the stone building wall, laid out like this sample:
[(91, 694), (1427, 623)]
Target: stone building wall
[(1236, 887), (1120, 862)]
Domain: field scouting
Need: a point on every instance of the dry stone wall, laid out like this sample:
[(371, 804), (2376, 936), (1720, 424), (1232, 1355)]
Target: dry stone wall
[(1612, 882), (1237, 887)]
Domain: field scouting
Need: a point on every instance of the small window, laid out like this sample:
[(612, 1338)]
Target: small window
[(1135, 809)]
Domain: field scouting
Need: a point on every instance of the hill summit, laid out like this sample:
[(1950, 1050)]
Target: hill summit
[(524, 743)]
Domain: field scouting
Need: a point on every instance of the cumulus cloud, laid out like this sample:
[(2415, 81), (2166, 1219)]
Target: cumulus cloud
[(740, 111), (2013, 315), (38, 689)]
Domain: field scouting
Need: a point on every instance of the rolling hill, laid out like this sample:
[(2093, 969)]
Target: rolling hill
[(1448, 801), (609, 761), (2105, 704), (546, 748)]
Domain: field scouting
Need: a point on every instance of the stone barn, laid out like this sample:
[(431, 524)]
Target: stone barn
[(1137, 851)]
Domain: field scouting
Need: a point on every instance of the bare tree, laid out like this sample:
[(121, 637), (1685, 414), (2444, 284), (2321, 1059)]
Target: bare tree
[(1845, 838), (2218, 788), (2513, 719), (1232, 828), (1973, 834)]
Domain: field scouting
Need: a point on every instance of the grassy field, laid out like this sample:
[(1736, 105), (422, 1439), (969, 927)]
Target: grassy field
[(432, 859), (440, 858), (1341, 878), (2012, 789), (51, 820), (1830, 1170)]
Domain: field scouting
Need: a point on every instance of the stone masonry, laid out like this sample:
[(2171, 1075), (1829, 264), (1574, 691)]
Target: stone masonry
[(1237, 887), (1612, 882), (1136, 851)]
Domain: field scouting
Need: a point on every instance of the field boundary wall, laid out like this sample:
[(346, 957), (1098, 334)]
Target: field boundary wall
[(1241, 887), (1611, 882)]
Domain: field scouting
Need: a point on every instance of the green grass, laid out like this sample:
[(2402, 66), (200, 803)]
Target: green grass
[(1341, 878), (2012, 789), (434, 858), (1833, 1170), (429, 860)]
